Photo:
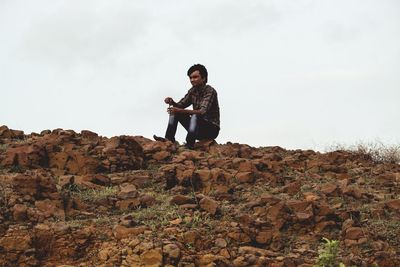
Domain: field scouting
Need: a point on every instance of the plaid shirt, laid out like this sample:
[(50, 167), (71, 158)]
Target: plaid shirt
[(204, 99)]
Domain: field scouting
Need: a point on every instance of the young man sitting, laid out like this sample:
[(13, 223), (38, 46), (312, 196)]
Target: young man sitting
[(201, 122)]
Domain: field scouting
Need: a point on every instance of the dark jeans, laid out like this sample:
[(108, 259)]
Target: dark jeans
[(195, 125)]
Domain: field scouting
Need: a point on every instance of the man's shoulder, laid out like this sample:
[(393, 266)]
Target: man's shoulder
[(209, 88)]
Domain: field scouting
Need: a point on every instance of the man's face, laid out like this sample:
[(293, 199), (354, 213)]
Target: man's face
[(196, 80)]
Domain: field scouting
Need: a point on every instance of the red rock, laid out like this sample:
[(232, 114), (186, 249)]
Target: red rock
[(81, 164), (19, 212), (203, 174), (5, 132), (97, 179), (16, 243), (26, 156), (128, 204), (354, 233), (298, 205), (239, 237), (393, 204), (17, 134), (276, 211), (89, 134), (205, 144), (181, 199), (311, 197), (152, 257), (264, 237), (147, 200), (59, 160), (121, 232), (172, 251), (161, 155), (128, 191), (209, 205), (329, 189), (292, 188), (256, 251), (211, 260), (246, 166), (25, 184), (304, 216), (321, 226), (221, 242), (51, 208), (245, 177)]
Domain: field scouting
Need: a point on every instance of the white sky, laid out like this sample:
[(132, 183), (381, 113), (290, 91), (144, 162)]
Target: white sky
[(293, 73)]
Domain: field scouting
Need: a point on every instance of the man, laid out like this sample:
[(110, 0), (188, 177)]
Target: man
[(201, 122)]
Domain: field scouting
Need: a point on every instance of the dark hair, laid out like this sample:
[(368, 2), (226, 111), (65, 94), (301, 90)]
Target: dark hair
[(201, 69)]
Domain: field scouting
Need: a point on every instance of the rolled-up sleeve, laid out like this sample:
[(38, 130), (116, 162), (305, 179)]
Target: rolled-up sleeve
[(207, 100)]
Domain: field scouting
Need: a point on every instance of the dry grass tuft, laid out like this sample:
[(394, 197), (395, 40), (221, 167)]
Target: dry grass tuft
[(377, 151)]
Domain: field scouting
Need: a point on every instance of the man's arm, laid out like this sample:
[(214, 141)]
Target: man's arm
[(174, 110)]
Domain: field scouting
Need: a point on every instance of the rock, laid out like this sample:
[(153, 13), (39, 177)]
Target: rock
[(121, 232), (25, 184), (19, 212), (353, 191), (329, 189), (89, 135), (221, 243), (212, 260), (181, 199), (347, 224), (128, 204), (209, 205), (51, 208), (292, 188), (256, 251), (147, 200), (151, 258), (245, 177), (15, 243), (354, 233), (393, 204), (264, 237), (161, 155), (172, 251), (127, 191)]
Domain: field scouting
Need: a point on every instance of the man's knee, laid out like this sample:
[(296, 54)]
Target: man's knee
[(172, 119), (193, 123)]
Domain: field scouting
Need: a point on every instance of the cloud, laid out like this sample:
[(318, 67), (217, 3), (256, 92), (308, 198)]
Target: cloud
[(92, 34)]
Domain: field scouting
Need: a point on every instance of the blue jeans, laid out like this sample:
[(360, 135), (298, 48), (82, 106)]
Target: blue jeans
[(195, 125)]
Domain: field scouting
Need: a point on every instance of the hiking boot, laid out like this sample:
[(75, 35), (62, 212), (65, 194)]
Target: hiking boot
[(162, 139), (158, 138)]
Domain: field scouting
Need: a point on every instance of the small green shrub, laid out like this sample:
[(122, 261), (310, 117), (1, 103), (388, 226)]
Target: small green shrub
[(327, 256)]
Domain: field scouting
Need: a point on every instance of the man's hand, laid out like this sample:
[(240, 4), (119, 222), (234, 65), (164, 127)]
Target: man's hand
[(169, 101), (174, 110)]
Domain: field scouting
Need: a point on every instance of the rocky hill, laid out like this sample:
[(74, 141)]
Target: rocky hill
[(79, 199)]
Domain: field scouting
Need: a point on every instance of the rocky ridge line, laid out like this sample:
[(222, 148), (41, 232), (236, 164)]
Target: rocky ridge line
[(80, 199)]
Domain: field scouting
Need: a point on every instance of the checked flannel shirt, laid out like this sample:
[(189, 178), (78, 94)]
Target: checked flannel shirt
[(204, 99)]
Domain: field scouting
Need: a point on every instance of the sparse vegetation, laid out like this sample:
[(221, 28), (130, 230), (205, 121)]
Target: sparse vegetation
[(328, 254), (3, 147), (156, 216), (387, 228), (377, 151), (93, 195)]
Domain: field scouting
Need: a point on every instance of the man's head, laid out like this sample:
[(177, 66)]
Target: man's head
[(198, 75)]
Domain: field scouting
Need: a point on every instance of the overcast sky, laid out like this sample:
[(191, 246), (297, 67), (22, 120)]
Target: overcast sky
[(292, 73)]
